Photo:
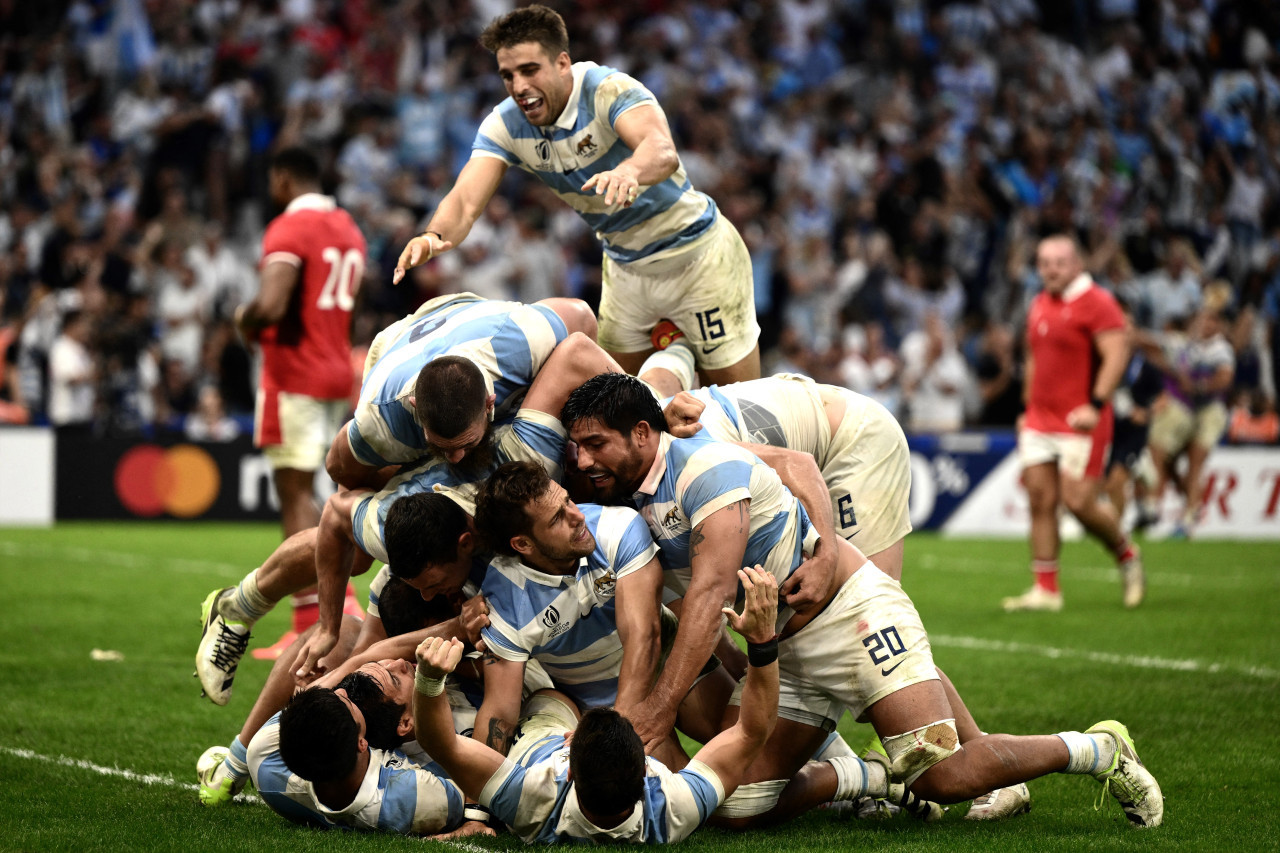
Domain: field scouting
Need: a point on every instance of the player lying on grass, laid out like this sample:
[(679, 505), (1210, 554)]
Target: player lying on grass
[(850, 638), (567, 780)]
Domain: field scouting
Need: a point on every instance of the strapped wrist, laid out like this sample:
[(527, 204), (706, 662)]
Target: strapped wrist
[(427, 685), (762, 654)]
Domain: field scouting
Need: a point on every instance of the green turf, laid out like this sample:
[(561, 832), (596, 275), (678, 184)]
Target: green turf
[(1195, 674)]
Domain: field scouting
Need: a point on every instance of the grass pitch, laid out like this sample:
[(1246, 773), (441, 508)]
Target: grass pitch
[(100, 754)]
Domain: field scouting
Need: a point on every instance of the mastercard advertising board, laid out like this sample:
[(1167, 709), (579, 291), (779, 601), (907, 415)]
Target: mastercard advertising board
[(120, 478)]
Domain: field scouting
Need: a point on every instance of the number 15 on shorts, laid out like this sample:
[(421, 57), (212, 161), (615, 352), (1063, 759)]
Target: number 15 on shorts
[(883, 646)]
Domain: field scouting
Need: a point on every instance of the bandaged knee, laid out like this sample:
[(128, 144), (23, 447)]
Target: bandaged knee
[(752, 799), (912, 753)]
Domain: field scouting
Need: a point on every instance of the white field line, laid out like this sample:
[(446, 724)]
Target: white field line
[(1130, 661), (123, 559), (129, 775), (159, 779)]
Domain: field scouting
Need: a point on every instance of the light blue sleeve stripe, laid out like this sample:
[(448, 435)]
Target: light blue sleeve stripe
[(361, 449), (724, 477), (487, 145), (627, 99)]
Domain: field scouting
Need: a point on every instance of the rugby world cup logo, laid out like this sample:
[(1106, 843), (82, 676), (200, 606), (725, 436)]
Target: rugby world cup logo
[(551, 617)]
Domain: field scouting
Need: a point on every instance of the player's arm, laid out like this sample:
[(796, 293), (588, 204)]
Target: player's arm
[(716, 548), (637, 599), (809, 584), (337, 558), (277, 283), (342, 466), (499, 713), (653, 159), (1114, 351), (458, 211), (400, 647), (731, 752), (467, 761), (573, 361)]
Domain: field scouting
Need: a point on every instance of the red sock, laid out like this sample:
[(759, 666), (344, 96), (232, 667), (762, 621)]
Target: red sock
[(306, 611), (1125, 552), (1046, 574)]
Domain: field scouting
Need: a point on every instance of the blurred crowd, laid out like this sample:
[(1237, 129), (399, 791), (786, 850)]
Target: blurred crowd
[(890, 165)]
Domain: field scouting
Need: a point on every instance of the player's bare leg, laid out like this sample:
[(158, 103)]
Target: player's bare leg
[(747, 368), (1042, 485)]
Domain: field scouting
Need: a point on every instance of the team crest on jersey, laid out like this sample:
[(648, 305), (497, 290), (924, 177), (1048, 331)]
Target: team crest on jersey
[(605, 584), (672, 520), (586, 147)]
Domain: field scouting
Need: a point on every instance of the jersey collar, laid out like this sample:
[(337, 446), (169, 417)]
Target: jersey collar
[(367, 794), (649, 486), (1077, 287), (569, 115), (312, 201), (574, 822)]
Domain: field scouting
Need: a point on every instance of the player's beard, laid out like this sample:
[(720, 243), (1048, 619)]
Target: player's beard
[(478, 461)]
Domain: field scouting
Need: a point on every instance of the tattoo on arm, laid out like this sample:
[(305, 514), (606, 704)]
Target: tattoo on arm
[(500, 735), (696, 538)]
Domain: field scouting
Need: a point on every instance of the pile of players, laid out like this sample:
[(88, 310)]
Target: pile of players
[(564, 557), (607, 617)]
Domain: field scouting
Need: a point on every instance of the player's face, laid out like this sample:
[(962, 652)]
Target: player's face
[(611, 461), (1058, 263), (471, 450), (540, 84), (395, 677), (559, 529)]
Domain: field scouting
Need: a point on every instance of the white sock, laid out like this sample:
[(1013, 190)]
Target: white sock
[(1088, 753), (676, 359), (237, 759), (246, 604), (832, 747), (857, 778)]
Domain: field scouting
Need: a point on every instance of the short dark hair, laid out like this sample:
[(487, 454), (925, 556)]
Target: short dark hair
[(403, 610), (617, 400), (534, 23), (449, 395), (501, 505), (422, 530), (606, 758), (298, 162), (318, 735), (381, 715)]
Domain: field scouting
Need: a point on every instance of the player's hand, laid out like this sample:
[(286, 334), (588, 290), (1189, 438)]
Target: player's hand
[(419, 250), (438, 657), (307, 666), (809, 584), (682, 414), (248, 334), (618, 186), (1083, 418), (471, 827), (651, 723), (474, 616), (760, 612)]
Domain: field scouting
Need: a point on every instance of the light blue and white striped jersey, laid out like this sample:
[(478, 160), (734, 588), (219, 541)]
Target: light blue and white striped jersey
[(400, 793), (784, 410), (536, 799), (532, 436), (582, 142), (508, 341), (567, 622), (691, 478)]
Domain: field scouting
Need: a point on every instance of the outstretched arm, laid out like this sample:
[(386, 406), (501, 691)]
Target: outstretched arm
[(499, 713), (716, 548), (732, 751), (458, 211), (653, 157), (468, 762)]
